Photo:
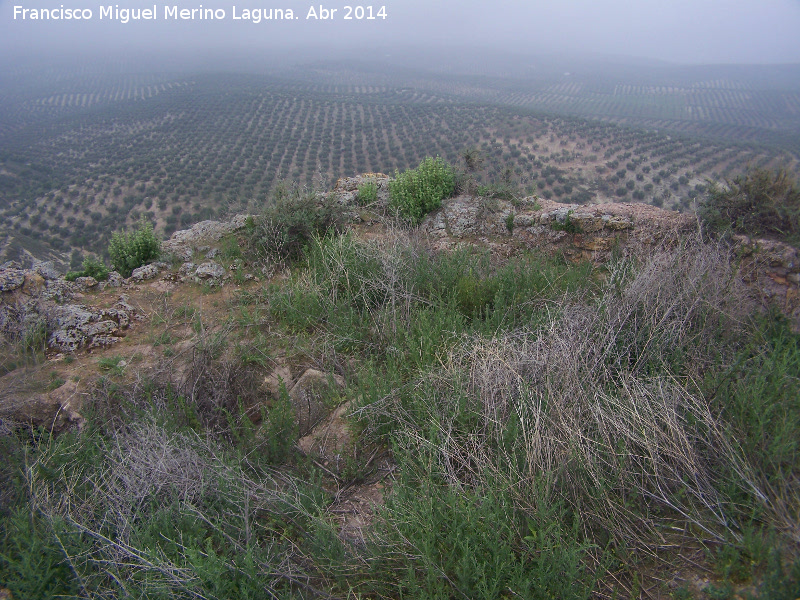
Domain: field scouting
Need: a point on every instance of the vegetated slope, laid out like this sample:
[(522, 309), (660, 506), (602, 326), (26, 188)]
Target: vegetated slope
[(81, 157), (525, 426)]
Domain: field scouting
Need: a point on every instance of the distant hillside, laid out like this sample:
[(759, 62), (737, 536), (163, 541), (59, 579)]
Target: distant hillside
[(83, 154)]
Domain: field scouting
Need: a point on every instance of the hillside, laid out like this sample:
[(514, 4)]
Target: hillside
[(517, 398), (82, 154)]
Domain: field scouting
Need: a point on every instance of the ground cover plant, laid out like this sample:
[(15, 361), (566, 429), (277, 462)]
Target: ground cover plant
[(557, 430)]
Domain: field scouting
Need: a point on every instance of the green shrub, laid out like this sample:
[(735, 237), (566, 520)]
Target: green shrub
[(131, 250), (287, 226), (758, 203), (91, 268), (416, 192), (367, 193)]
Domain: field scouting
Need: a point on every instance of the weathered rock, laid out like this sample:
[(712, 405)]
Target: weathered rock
[(307, 398), (281, 374), (181, 242), (54, 411), (71, 316), (67, 340), (119, 316), (86, 282), (210, 270), (11, 279), (76, 326), (34, 284), (462, 217), (115, 279), (101, 328), (617, 223), (59, 290), (46, 269), (145, 272), (587, 223)]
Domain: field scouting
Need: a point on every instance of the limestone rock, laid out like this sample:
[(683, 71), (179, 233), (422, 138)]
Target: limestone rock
[(67, 340), (86, 282), (617, 223), (181, 242), (34, 284), (55, 411), (46, 269), (115, 279), (75, 326), (273, 381), (145, 272), (11, 279), (210, 270)]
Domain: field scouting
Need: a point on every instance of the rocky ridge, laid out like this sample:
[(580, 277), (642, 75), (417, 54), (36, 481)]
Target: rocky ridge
[(38, 297)]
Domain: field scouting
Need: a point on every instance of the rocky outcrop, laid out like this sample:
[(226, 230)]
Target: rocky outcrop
[(145, 272), (77, 326), (597, 232), (210, 270), (54, 411), (580, 232), (31, 305), (345, 191), (184, 243), (773, 269), (331, 440)]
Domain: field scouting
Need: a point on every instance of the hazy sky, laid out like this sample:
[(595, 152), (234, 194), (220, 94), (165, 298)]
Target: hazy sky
[(683, 31)]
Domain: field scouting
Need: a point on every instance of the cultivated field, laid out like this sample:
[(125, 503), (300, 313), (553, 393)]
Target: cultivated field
[(83, 155)]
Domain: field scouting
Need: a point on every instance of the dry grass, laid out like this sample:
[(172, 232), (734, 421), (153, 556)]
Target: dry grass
[(637, 454)]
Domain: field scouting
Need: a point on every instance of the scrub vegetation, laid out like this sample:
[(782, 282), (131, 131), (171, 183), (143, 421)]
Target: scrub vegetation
[(550, 430)]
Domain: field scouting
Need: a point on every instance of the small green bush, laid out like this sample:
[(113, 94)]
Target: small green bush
[(367, 193), (91, 268), (416, 192), (287, 226), (131, 250), (761, 202)]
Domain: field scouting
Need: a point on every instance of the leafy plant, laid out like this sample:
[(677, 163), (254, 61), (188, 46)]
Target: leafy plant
[(367, 193), (567, 224), (92, 267), (510, 222), (131, 250), (416, 192)]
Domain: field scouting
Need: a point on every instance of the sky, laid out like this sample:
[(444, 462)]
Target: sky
[(675, 31)]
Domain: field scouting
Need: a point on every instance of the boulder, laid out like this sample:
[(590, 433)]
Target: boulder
[(46, 269), (145, 272), (115, 279), (86, 282), (11, 279), (331, 440), (34, 284), (210, 270), (273, 381), (55, 411)]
